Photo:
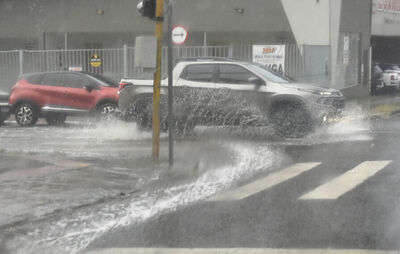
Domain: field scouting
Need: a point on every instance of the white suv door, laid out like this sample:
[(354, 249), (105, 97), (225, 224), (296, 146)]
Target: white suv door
[(241, 96), (195, 90), (197, 76)]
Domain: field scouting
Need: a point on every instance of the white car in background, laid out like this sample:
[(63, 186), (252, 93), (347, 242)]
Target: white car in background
[(384, 77), (391, 75)]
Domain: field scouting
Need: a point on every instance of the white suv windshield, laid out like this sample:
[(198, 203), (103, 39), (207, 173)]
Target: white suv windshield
[(269, 74)]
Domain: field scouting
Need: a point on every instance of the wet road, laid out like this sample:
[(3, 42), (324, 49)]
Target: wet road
[(330, 195), (94, 184)]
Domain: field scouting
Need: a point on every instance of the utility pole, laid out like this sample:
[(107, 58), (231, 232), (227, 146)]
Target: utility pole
[(157, 79), (154, 9)]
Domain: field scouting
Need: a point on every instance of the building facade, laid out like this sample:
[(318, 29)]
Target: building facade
[(332, 37)]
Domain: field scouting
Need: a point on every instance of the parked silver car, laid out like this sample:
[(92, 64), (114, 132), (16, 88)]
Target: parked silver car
[(385, 77), (4, 107)]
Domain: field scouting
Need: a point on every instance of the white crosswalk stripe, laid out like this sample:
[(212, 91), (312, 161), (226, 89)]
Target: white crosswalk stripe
[(346, 182), (234, 251), (266, 182)]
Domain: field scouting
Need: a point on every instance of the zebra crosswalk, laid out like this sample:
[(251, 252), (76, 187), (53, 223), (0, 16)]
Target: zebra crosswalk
[(266, 182), (330, 190), (347, 181)]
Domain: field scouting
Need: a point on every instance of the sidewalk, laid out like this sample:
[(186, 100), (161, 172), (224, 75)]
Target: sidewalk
[(380, 105)]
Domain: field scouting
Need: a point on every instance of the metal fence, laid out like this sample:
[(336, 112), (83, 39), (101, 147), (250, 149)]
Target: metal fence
[(118, 63), (115, 63), (9, 68)]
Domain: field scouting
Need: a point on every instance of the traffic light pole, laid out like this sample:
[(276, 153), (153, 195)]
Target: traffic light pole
[(157, 80)]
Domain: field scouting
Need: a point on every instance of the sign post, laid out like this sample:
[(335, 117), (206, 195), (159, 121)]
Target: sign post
[(170, 90)]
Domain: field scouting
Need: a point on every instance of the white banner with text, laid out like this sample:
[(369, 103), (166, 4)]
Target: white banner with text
[(272, 56)]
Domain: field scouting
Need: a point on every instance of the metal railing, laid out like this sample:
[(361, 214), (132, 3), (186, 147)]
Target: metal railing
[(115, 63), (119, 63), (9, 68)]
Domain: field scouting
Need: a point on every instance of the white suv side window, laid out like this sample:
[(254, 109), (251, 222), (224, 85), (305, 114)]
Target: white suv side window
[(199, 72), (233, 74)]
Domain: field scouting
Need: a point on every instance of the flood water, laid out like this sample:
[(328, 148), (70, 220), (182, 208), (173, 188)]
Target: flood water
[(121, 182)]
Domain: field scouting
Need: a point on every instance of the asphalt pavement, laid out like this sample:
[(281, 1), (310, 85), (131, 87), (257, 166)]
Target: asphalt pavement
[(336, 195), (295, 214)]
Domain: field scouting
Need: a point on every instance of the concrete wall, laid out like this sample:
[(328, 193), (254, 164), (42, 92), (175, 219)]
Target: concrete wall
[(317, 26), (309, 20), (317, 65), (33, 20), (212, 15), (355, 18), (356, 24), (24, 18), (46, 21), (248, 21)]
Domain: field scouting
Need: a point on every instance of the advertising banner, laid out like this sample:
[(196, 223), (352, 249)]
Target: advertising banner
[(272, 56), (386, 17)]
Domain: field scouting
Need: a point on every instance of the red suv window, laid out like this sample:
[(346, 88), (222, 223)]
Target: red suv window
[(52, 79), (75, 81)]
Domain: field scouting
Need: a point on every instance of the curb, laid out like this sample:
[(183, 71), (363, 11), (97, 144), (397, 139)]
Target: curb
[(381, 106)]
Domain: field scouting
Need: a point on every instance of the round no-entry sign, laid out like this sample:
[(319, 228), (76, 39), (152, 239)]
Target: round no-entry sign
[(179, 34)]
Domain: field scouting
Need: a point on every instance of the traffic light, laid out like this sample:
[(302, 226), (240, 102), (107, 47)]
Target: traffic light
[(147, 8)]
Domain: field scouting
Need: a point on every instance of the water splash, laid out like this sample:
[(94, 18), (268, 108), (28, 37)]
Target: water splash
[(353, 126), (77, 230), (75, 139)]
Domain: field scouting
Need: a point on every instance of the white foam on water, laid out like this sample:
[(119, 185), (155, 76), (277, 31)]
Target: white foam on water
[(110, 130), (75, 232), (353, 126), (86, 139)]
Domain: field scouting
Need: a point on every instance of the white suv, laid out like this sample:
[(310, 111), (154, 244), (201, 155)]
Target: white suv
[(227, 92)]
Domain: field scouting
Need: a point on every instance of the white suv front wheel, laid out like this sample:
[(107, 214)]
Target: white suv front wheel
[(291, 121)]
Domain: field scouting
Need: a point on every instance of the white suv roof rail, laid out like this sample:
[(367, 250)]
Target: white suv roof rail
[(204, 59)]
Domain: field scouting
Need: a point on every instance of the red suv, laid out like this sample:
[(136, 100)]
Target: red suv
[(54, 95)]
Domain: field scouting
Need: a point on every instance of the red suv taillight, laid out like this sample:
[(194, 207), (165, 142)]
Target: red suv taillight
[(123, 85)]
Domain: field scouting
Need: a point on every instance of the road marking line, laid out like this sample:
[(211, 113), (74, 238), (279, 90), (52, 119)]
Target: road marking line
[(346, 182), (234, 251), (266, 182)]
